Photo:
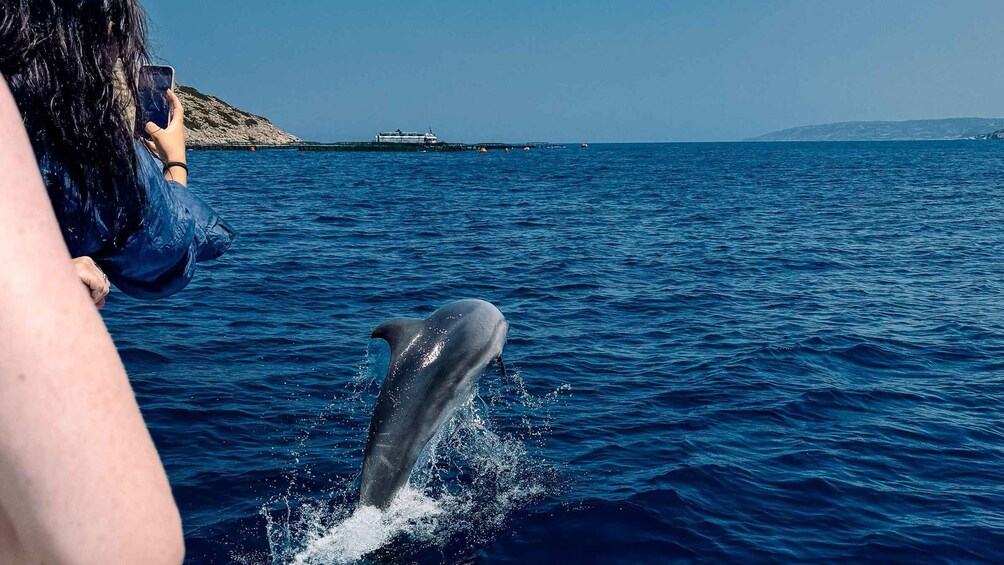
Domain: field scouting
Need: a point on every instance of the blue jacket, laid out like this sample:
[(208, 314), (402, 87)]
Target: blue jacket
[(177, 230)]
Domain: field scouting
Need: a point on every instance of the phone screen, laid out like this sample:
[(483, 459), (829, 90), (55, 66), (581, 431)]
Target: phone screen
[(154, 82)]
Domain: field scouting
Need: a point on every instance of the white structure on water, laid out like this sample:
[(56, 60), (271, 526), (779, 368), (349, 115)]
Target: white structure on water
[(407, 137)]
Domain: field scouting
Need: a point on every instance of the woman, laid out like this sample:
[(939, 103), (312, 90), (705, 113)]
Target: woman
[(72, 66), (80, 479)]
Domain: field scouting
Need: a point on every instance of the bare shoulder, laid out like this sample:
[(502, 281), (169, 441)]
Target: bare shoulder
[(16, 158), (80, 479)]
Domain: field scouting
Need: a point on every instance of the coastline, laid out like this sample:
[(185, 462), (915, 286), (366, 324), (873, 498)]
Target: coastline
[(372, 146)]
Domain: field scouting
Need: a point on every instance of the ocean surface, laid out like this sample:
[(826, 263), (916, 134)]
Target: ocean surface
[(717, 353)]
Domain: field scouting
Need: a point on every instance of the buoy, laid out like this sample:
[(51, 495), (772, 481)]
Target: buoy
[(585, 145), (483, 150), (506, 149), (252, 148), (527, 148)]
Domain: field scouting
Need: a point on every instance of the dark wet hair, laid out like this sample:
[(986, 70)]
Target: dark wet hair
[(60, 62)]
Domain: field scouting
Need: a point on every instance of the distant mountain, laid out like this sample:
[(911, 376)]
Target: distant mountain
[(211, 121), (950, 128)]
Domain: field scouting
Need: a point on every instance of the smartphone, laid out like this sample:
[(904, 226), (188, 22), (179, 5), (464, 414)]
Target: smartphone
[(154, 106)]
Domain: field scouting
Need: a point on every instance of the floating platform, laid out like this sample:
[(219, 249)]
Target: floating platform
[(373, 146)]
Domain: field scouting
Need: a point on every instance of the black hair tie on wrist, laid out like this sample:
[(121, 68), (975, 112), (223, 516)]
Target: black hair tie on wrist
[(169, 164)]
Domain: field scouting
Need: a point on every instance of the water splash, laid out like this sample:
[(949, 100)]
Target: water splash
[(366, 530), (475, 472), (297, 513)]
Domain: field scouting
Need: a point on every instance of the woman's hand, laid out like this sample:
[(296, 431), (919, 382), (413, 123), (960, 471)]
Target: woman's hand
[(168, 144), (93, 278)]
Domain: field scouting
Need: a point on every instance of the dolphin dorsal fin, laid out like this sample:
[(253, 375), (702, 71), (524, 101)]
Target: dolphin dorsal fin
[(397, 332)]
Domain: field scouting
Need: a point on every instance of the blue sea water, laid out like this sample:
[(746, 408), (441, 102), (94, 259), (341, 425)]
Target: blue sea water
[(717, 353)]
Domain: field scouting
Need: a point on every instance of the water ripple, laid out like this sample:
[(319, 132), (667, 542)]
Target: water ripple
[(727, 352)]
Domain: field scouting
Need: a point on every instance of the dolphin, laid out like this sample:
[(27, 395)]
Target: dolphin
[(435, 366)]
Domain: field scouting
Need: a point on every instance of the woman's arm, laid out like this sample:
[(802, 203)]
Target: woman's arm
[(178, 229), (80, 478), (168, 144)]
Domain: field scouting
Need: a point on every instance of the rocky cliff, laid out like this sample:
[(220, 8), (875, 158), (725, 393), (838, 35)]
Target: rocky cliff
[(998, 135), (211, 121)]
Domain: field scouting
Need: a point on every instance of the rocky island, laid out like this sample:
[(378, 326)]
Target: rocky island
[(210, 121)]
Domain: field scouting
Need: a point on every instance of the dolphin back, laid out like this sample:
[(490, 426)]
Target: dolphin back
[(395, 332), (435, 365)]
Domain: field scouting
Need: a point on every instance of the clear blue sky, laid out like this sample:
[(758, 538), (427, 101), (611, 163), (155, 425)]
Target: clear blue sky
[(516, 70)]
